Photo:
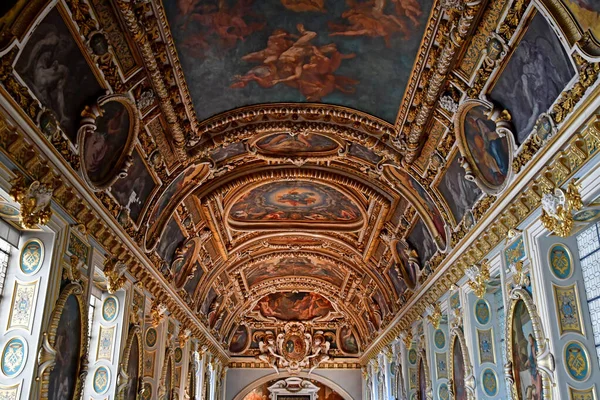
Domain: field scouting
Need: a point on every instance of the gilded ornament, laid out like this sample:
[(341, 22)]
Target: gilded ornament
[(114, 270), (558, 207), (479, 275), (35, 201), (434, 315)]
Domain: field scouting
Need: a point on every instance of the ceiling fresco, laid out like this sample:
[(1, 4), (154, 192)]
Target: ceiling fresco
[(244, 52), (310, 161)]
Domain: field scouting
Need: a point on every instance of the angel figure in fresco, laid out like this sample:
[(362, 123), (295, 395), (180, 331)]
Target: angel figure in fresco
[(207, 21), (488, 148), (304, 5), (369, 19), (294, 61)]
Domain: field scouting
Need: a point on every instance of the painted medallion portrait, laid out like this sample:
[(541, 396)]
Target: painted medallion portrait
[(458, 371), (103, 147), (54, 68), (484, 148), (63, 378), (535, 75), (293, 202), (287, 306), (133, 370), (528, 379)]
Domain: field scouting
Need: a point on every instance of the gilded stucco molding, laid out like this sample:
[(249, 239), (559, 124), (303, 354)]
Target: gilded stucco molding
[(143, 40), (34, 165), (556, 172)]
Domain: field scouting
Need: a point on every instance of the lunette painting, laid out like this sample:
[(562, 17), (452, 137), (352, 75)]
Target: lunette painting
[(241, 52), (54, 68), (536, 73)]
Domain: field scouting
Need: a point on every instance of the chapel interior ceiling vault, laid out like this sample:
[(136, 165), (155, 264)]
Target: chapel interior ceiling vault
[(310, 161)]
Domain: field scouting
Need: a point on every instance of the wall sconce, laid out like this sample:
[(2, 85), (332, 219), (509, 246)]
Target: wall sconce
[(479, 277), (558, 207), (434, 314)]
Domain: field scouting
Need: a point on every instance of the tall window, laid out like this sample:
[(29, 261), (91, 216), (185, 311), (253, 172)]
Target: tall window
[(588, 242), (4, 252)]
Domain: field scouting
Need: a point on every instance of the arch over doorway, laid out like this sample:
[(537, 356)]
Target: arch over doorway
[(270, 377)]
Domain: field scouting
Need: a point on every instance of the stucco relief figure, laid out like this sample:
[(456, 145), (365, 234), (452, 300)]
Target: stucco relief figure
[(320, 351), (268, 351), (294, 61)]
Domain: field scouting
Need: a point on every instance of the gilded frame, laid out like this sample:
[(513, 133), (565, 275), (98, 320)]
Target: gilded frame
[(457, 336), (88, 124), (169, 358), (545, 359), (422, 358), (298, 157), (47, 354), (503, 128), (585, 41), (231, 200), (134, 332)]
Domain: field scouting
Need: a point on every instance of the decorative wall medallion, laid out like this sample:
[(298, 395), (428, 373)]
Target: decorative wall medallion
[(441, 365), (23, 303), (439, 339), (412, 356), (9, 392), (101, 380), (151, 337), (567, 307), (489, 382), (560, 261), (577, 361), (455, 300), (443, 392), (486, 345), (106, 137), (178, 354), (515, 251), (105, 343), (486, 142), (586, 394), (110, 308), (587, 215), (147, 391), (412, 378), (32, 256), (14, 357), (8, 210), (482, 312)]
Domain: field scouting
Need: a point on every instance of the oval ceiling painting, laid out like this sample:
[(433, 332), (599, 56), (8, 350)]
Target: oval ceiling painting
[(300, 144), (297, 204), (288, 306), (294, 266)]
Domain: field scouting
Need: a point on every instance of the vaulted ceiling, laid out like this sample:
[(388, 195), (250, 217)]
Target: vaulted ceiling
[(299, 180), (294, 159)]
